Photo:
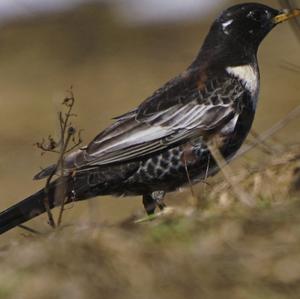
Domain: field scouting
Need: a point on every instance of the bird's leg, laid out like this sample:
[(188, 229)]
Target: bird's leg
[(149, 204), (159, 196), (153, 200)]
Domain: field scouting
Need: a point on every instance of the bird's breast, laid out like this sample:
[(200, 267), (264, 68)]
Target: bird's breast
[(248, 74)]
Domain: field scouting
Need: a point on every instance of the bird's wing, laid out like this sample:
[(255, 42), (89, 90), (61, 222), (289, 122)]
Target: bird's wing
[(180, 110)]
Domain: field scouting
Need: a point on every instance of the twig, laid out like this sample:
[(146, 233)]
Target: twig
[(262, 137), (241, 195), (195, 200), (46, 200), (67, 133), (266, 148), (66, 129), (290, 66), (295, 22), (29, 229), (268, 133), (61, 162)]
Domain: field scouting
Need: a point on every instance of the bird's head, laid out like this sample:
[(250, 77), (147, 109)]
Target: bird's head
[(241, 28)]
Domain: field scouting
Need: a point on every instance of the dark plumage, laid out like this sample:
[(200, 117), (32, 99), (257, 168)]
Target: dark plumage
[(147, 150)]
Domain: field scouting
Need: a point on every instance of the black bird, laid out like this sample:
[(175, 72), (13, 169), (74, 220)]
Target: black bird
[(149, 150)]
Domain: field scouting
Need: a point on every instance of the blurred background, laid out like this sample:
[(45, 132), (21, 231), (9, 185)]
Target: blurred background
[(114, 53)]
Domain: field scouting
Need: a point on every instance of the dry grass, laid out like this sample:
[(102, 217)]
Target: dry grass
[(223, 251)]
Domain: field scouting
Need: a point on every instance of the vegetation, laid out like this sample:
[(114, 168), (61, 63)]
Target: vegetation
[(220, 251)]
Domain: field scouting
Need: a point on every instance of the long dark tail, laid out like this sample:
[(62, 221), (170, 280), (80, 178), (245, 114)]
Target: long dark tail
[(31, 206)]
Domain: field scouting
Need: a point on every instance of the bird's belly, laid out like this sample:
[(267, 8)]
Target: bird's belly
[(173, 168)]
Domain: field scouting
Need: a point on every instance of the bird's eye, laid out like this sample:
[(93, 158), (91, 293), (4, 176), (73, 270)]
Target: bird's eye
[(256, 15)]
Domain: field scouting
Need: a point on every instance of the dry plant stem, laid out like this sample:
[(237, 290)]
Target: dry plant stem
[(66, 133), (240, 194), (46, 201), (290, 67), (194, 200), (29, 229), (266, 148), (295, 113), (291, 4), (61, 162), (166, 211)]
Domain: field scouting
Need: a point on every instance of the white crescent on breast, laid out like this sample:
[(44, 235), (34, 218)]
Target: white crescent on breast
[(248, 74)]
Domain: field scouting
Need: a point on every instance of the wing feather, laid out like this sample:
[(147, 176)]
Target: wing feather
[(151, 128)]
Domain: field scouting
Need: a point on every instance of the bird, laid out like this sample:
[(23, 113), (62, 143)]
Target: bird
[(162, 144)]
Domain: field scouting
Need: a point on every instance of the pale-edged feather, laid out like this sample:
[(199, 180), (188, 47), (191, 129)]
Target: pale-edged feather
[(137, 134)]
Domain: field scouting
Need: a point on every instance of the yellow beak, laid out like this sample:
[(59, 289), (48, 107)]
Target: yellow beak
[(286, 15)]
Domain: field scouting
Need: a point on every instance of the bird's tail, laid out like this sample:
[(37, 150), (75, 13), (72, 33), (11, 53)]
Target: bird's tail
[(31, 206)]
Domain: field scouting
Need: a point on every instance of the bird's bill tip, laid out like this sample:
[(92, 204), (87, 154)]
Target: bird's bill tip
[(285, 15)]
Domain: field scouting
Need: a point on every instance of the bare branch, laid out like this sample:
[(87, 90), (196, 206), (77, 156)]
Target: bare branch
[(241, 195), (295, 22), (70, 133), (29, 229), (68, 141), (46, 201), (295, 113), (194, 200)]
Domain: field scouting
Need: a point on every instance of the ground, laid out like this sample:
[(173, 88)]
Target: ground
[(220, 249)]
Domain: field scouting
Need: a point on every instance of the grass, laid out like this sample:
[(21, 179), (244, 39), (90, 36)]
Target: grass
[(226, 250)]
